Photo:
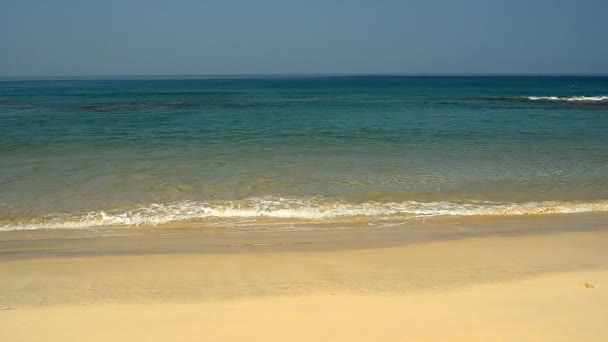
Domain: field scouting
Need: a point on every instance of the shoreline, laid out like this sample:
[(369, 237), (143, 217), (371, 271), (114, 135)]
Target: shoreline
[(298, 262), (298, 237), (285, 212)]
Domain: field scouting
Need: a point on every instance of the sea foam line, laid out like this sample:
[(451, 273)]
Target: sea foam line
[(282, 208), (565, 98)]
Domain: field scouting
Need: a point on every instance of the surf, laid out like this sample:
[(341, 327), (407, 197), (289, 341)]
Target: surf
[(286, 209)]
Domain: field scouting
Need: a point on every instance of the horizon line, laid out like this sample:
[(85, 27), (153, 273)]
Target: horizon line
[(279, 75)]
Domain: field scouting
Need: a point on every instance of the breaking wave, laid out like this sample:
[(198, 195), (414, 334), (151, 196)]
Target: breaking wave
[(194, 212), (570, 99)]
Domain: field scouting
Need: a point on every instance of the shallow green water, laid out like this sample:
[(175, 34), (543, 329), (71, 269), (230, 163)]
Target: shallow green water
[(112, 152)]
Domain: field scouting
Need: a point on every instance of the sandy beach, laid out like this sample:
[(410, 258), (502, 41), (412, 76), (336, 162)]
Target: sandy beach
[(336, 285), (378, 171)]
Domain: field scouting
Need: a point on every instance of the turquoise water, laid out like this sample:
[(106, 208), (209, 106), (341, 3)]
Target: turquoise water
[(79, 153)]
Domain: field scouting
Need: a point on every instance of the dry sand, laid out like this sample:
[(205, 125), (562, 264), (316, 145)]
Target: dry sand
[(518, 288)]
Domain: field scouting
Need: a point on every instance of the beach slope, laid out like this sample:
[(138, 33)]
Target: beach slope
[(547, 287)]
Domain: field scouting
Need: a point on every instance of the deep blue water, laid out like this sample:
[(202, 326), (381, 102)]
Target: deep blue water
[(97, 152)]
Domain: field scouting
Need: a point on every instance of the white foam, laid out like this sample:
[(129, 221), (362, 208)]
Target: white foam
[(568, 98), (285, 208)]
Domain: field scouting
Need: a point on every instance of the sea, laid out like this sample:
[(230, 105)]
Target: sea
[(160, 151)]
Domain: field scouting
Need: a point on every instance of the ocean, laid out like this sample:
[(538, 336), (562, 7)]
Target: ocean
[(189, 151)]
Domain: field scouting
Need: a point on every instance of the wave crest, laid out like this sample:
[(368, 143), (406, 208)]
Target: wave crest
[(285, 209), (570, 99)]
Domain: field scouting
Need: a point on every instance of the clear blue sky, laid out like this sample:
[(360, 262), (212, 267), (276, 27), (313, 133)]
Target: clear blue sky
[(126, 37)]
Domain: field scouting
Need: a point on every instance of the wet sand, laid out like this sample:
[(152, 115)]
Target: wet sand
[(480, 279)]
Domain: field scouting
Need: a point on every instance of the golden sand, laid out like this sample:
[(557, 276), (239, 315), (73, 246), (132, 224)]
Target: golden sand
[(548, 287)]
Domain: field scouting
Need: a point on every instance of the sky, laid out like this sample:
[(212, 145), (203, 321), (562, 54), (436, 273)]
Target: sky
[(128, 37)]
